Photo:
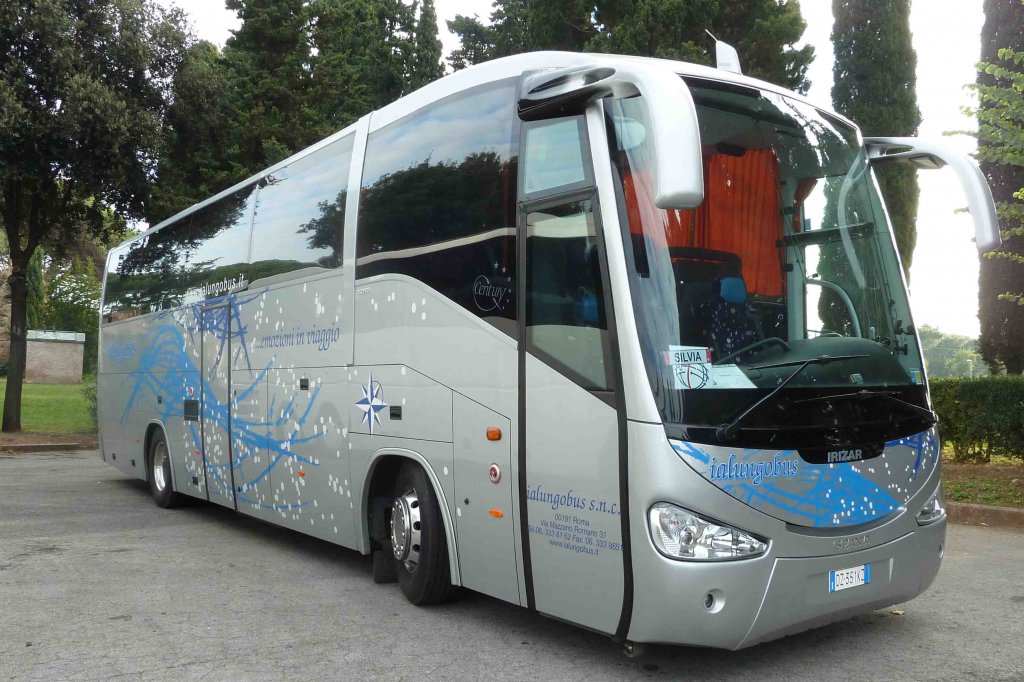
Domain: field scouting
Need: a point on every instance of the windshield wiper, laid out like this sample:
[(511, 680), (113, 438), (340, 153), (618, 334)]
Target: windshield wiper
[(865, 394), (727, 431)]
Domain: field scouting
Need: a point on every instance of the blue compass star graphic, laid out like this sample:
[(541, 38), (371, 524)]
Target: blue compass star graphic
[(372, 403)]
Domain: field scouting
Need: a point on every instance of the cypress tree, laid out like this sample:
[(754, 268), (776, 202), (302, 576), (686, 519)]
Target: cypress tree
[(1001, 155), (426, 62), (266, 60), (36, 313), (875, 86)]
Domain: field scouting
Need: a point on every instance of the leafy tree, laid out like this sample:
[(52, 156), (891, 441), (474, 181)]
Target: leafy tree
[(83, 88), (199, 154), (950, 355), (294, 72), (1000, 89), (509, 22), (506, 34), (560, 24), (764, 31), (660, 28), (875, 86), (476, 42)]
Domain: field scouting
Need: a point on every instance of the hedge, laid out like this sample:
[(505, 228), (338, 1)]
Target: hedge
[(981, 417)]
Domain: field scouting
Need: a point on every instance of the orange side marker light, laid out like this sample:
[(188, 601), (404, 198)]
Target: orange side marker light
[(493, 433), (497, 513)]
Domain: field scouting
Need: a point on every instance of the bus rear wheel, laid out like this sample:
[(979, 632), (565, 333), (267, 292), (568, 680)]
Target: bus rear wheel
[(160, 483), (418, 541)]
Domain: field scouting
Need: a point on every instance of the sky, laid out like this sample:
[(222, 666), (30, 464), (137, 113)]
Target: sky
[(944, 272)]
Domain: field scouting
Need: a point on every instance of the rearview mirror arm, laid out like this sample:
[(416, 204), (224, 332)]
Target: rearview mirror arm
[(928, 154)]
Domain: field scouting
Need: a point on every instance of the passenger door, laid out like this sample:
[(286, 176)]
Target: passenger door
[(570, 449), (216, 419)]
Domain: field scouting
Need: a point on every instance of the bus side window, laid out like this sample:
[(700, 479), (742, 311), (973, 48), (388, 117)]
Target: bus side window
[(219, 246), (554, 156), (438, 201), (565, 311), (299, 220)]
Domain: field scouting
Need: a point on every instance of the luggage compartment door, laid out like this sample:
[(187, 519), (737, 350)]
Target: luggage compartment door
[(216, 400)]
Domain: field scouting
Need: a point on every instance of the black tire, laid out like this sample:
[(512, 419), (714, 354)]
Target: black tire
[(158, 467), (423, 575)]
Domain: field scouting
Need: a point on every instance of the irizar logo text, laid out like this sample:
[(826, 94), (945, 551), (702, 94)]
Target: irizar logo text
[(845, 455)]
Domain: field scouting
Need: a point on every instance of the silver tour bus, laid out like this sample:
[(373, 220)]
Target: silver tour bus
[(623, 341)]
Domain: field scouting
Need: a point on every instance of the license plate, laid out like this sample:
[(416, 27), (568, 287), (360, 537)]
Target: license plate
[(846, 578)]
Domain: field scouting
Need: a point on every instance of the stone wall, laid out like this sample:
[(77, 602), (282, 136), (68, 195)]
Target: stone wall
[(54, 357)]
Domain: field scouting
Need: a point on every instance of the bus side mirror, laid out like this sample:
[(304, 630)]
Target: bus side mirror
[(927, 155), (674, 136)]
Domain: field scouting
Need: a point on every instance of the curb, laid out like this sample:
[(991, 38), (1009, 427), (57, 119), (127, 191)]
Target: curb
[(985, 515), (46, 447)]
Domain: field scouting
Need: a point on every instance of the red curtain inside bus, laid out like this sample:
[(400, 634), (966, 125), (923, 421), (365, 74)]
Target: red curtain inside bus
[(741, 214)]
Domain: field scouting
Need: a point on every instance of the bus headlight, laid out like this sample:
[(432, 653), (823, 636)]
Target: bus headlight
[(681, 534), (933, 509)]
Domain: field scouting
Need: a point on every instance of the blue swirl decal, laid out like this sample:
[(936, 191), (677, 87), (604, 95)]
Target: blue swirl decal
[(782, 484), (167, 369)]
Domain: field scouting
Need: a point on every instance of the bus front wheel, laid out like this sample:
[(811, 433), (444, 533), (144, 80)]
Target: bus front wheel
[(418, 541), (160, 484)]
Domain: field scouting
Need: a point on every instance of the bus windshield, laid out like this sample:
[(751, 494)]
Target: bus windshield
[(785, 277)]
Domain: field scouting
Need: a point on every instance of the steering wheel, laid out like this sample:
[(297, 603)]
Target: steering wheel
[(770, 341)]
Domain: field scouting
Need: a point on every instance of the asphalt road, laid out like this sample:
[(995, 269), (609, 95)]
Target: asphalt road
[(96, 582)]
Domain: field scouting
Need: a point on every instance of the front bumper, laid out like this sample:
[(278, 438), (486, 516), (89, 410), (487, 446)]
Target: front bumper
[(762, 599)]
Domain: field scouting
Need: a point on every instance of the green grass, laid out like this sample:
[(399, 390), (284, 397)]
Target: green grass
[(52, 408), (999, 484), (983, 492)]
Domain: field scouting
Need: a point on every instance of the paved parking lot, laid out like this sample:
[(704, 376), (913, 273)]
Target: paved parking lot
[(96, 582)]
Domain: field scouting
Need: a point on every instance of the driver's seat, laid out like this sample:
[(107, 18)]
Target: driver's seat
[(728, 322)]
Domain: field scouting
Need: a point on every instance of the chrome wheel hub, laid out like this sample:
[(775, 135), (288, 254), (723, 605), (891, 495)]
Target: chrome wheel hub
[(405, 529), (159, 457)]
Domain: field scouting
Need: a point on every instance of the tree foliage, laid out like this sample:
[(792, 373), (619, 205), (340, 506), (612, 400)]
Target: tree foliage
[(764, 31), (293, 73), (266, 61), (73, 301), (198, 155), (950, 355), (875, 86), (1000, 90), (36, 300), (83, 90)]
